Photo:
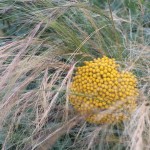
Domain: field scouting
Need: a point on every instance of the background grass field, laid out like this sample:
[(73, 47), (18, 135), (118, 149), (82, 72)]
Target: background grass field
[(41, 44)]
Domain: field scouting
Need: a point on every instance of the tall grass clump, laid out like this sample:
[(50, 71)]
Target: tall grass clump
[(42, 43)]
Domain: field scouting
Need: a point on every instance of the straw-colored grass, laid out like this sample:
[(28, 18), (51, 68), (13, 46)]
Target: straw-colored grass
[(47, 40)]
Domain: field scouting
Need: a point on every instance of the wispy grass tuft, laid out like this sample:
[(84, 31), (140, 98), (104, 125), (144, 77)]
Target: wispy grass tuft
[(41, 45)]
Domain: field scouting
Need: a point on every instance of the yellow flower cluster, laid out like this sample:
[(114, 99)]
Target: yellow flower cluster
[(102, 93)]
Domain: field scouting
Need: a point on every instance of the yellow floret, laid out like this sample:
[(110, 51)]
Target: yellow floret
[(102, 93)]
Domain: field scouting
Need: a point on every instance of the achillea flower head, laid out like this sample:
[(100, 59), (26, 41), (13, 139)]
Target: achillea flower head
[(103, 93)]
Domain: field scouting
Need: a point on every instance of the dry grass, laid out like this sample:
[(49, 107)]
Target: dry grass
[(34, 79)]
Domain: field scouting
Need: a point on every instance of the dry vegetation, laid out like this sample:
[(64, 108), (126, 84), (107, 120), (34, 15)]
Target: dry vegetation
[(42, 43)]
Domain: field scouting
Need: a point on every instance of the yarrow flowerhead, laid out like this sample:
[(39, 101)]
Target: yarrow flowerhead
[(103, 93)]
